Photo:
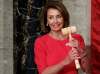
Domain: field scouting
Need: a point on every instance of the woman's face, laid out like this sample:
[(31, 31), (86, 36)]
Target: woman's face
[(54, 19)]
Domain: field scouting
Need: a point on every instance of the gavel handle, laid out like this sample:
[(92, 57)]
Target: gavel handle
[(77, 64)]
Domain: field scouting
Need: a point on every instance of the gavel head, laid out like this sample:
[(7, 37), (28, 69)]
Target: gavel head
[(67, 30)]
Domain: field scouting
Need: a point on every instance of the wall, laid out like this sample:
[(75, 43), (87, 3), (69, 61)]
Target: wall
[(6, 36), (80, 16)]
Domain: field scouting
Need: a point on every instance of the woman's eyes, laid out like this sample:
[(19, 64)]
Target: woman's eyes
[(58, 16), (51, 17)]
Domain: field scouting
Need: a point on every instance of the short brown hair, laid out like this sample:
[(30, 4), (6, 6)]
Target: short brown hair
[(56, 5)]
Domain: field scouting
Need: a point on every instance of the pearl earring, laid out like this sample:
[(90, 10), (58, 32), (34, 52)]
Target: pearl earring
[(47, 24)]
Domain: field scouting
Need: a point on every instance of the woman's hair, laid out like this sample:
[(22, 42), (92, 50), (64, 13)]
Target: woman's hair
[(56, 5)]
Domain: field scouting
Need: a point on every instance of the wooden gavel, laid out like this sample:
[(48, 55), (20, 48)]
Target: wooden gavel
[(69, 31)]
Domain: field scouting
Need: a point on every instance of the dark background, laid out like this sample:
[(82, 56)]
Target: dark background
[(26, 29)]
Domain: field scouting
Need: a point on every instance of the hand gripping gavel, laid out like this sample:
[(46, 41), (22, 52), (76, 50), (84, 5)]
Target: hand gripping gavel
[(69, 30)]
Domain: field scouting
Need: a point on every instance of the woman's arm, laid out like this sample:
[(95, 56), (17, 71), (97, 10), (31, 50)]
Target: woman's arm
[(55, 68), (40, 59), (72, 55)]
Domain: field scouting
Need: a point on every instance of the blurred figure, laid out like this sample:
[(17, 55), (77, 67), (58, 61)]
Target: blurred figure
[(52, 55)]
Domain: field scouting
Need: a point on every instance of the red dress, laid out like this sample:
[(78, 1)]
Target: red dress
[(49, 51)]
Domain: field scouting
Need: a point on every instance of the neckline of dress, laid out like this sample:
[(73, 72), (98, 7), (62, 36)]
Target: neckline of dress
[(60, 40)]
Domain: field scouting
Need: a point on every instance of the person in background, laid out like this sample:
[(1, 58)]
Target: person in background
[(52, 55)]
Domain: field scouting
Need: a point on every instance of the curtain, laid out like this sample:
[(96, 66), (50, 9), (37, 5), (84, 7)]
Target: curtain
[(95, 36)]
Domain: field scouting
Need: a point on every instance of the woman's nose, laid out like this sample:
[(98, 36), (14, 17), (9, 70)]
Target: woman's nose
[(55, 20)]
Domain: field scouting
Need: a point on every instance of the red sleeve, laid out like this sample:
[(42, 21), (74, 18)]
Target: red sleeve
[(40, 54)]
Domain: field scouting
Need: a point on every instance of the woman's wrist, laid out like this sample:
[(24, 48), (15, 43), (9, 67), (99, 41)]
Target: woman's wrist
[(65, 62)]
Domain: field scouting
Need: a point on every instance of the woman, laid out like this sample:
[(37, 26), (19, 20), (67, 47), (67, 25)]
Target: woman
[(52, 56)]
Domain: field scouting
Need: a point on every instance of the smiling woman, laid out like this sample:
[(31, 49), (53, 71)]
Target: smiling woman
[(57, 7), (55, 19), (52, 56)]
